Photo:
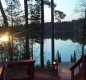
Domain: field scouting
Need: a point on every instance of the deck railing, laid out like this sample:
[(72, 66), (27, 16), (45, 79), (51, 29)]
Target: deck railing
[(18, 70), (78, 70)]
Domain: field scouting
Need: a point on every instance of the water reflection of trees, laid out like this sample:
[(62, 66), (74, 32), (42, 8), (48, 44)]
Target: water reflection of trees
[(67, 30), (71, 36)]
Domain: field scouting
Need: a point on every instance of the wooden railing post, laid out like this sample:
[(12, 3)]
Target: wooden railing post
[(74, 67), (81, 75), (84, 67), (72, 74), (31, 70), (55, 68)]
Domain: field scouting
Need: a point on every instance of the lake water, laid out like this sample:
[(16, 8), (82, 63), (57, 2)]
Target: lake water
[(65, 47)]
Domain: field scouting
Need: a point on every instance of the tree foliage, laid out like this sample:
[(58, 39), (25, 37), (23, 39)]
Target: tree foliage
[(13, 10), (59, 15), (81, 7), (71, 58), (34, 7), (13, 6), (35, 10), (48, 64)]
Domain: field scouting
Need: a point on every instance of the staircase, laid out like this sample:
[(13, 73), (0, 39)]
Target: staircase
[(68, 71), (78, 70), (64, 72)]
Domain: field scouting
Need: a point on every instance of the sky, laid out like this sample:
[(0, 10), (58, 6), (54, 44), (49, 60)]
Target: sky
[(66, 6)]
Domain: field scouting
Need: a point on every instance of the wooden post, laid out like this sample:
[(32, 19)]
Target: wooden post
[(27, 55), (84, 67), (52, 22), (72, 74), (55, 68), (42, 35)]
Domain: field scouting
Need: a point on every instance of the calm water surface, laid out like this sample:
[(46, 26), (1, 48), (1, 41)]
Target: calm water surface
[(66, 49)]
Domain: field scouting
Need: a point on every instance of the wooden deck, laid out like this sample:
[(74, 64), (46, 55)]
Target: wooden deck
[(63, 69), (64, 73)]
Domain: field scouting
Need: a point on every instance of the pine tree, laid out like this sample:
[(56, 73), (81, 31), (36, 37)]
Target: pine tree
[(13, 11), (71, 58), (74, 60), (60, 58), (48, 64)]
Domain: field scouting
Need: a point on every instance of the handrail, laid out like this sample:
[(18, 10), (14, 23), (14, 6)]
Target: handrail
[(82, 70), (76, 64)]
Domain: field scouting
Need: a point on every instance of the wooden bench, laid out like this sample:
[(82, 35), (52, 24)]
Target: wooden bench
[(19, 70), (1, 72)]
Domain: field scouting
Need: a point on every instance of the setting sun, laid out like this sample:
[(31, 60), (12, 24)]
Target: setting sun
[(4, 38)]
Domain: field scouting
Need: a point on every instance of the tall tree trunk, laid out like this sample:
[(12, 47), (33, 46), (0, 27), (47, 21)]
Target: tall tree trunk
[(32, 48), (10, 46), (27, 55), (3, 14), (11, 32), (84, 31), (52, 21), (42, 35)]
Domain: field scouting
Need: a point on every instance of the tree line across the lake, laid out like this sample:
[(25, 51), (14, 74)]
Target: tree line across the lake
[(63, 30)]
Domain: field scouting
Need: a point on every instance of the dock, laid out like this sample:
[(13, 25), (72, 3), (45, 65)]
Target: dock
[(63, 73)]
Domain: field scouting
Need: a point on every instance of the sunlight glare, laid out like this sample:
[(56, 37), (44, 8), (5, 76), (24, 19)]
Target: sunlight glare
[(4, 38)]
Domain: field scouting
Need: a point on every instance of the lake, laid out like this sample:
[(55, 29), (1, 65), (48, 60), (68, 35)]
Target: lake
[(65, 47)]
